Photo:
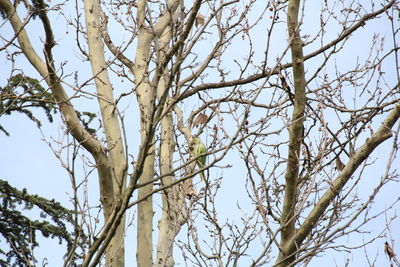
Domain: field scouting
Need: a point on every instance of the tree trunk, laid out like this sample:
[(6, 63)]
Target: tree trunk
[(115, 255), (295, 135), (145, 95), (173, 201)]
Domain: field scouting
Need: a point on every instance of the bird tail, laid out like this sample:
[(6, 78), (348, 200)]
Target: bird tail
[(202, 176)]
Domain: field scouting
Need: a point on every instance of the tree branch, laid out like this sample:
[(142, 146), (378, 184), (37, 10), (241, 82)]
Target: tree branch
[(296, 131), (71, 119), (384, 132), (265, 73)]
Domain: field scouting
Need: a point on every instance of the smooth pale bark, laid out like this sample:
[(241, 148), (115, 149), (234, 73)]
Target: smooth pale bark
[(75, 127), (295, 133), (115, 251), (383, 133), (69, 115), (144, 254), (146, 95), (292, 238), (105, 166), (173, 202)]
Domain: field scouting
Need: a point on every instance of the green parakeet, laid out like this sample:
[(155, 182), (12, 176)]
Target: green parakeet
[(199, 150)]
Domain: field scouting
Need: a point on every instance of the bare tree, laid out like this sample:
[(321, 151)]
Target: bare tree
[(262, 83)]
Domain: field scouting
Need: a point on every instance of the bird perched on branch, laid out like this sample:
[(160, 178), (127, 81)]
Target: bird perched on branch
[(392, 256), (339, 164), (199, 151)]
